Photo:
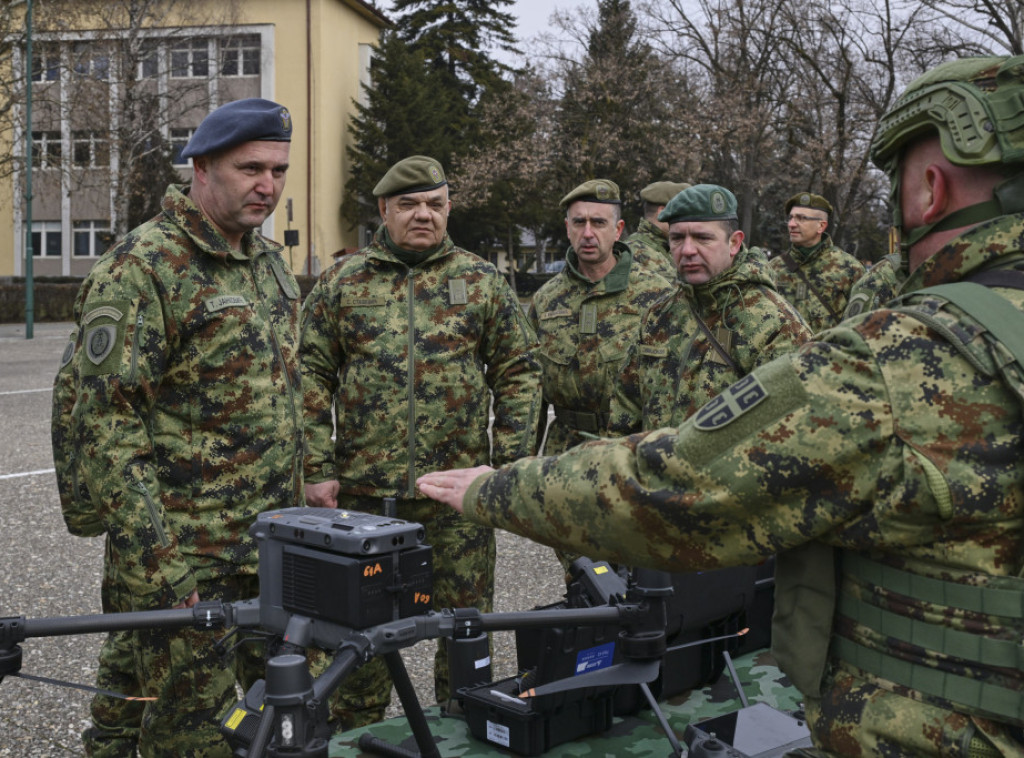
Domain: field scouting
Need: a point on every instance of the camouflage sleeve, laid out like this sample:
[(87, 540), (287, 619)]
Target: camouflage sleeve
[(513, 374), (126, 341), (778, 459), (320, 357), (625, 414), (779, 329)]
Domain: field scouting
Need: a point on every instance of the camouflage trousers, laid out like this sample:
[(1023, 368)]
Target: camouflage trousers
[(192, 684), (463, 555), (114, 732)]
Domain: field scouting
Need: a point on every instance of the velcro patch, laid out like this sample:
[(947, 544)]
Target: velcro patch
[(739, 398), (457, 292), (588, 318), (220, 302)]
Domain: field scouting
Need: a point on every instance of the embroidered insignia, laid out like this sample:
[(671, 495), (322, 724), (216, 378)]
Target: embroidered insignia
[(741, 397), (108, 311), (99, 342)]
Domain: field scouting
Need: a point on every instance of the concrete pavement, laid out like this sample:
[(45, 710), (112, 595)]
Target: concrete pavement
[(44, 571)]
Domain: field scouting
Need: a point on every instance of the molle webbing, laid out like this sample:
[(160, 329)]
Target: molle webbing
[(973, 650)]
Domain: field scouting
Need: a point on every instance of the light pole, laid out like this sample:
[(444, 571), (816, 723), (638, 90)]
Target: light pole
[(29, 285)]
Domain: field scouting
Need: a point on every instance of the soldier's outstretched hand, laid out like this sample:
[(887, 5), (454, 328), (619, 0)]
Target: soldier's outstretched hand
[(450, 486)]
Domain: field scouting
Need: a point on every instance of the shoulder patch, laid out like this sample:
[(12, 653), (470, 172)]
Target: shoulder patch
[(739, 398), (99, 342), (108, 311)]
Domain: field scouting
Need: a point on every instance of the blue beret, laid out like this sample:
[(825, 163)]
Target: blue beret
[(240, 121)]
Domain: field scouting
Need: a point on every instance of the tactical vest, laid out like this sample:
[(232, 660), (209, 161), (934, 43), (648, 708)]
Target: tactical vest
[(979, 674)]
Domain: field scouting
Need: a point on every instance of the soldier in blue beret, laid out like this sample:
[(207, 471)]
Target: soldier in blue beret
[(177, 419)]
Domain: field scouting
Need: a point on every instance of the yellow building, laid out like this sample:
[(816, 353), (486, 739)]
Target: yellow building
[(312, 56)]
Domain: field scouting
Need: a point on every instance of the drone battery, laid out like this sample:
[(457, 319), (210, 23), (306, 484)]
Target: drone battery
[(496, 715), (341, 569)]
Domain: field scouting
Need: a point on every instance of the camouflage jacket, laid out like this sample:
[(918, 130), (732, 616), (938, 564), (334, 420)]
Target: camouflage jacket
[(398, 417), (650, 250), (188, 416), (674, 368), (880, 439), (877, 287), (825, 270), (585, 329)]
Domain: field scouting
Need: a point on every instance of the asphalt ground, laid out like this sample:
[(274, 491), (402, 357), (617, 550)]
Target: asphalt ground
[(44, 571)]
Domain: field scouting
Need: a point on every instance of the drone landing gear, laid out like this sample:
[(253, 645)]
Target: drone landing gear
[(413, 713)]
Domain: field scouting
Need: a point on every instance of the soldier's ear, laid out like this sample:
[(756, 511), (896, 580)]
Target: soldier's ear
[(382, 207)]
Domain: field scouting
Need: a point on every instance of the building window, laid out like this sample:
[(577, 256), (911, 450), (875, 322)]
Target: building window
[(46, 150), (90, 149), (240, 56), (190, 59), (149, 62), (46, 239), (180, 138), (91, 60), (45, 63), (91, 238)]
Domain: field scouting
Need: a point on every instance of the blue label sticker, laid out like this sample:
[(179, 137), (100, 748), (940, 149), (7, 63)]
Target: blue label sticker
[(595, 658)]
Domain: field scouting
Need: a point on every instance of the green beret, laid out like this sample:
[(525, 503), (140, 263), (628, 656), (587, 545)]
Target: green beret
[(703, 202), (660, 193), (417, 173), (809, 200), (594, 191), (240, 121)]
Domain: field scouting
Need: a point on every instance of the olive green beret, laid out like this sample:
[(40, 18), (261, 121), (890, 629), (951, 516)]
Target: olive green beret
[(594, 191), (809, 200), (417, 173), (703, 202), (660, 193)]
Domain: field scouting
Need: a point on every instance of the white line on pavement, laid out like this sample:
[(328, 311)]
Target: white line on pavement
[(28, 473)]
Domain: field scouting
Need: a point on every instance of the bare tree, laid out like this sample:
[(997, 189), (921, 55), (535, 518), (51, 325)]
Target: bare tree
[(100, 74), (993, 27)]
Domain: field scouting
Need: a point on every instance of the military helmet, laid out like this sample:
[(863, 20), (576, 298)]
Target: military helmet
[(975, 105)]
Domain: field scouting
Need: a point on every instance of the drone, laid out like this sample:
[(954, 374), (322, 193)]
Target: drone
[(358, 586)]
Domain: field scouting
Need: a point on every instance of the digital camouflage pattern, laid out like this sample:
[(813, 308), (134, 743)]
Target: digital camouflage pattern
[(584, 331), (877, 287), (397, 418), (636, 735), (825, 269), (673, 369), (188, 421), (650, 250), (881, 439)]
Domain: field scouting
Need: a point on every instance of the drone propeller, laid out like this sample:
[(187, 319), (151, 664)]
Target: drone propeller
[(631, 672)]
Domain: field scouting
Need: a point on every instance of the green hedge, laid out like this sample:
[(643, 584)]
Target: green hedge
[(53, 297)]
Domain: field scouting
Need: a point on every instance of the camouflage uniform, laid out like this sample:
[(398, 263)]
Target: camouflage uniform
[(650, 250), (674, 368), (825, 269), (188, 423), (584, 330), (882, 443), (397, 418), (877, 287)]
